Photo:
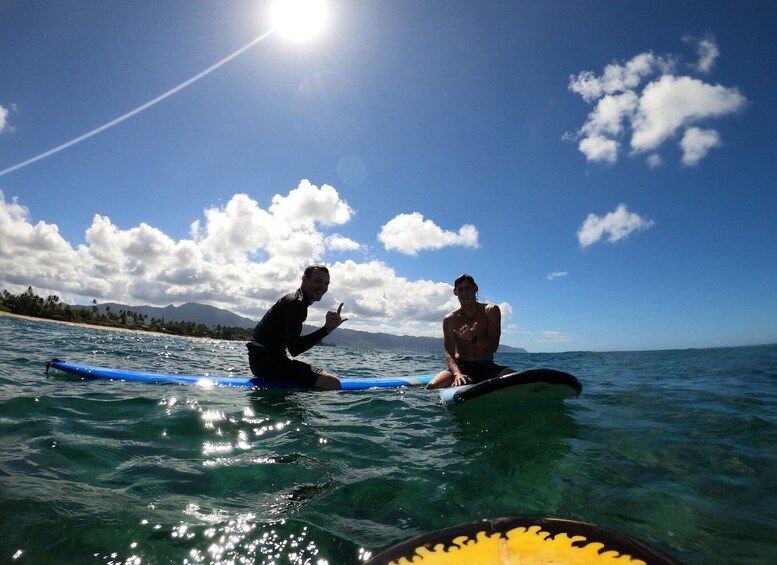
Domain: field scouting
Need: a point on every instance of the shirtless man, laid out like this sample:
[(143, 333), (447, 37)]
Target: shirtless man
[(471, 336)]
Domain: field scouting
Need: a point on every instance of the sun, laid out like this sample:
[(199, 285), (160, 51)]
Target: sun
[(299, 19)]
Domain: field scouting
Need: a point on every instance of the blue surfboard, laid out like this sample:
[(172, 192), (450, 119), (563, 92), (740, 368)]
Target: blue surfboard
[(535, 387), (210, 381)]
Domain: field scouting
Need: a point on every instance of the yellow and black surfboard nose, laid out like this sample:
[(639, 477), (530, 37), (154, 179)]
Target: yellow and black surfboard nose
[(521, 540)]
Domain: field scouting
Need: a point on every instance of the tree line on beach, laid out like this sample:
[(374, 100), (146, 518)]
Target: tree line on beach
[(30, 304)]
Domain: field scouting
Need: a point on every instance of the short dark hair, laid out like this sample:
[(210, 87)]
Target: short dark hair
[(310, 268), (465, 277)]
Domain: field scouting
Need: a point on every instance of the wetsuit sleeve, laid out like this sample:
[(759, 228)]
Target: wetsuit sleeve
[(305, 342), (296, 343)]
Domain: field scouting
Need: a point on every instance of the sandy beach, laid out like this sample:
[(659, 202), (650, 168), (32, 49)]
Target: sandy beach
[(92, 326)]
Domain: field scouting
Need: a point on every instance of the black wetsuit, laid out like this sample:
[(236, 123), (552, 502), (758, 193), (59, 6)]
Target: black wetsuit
[(280, 329)]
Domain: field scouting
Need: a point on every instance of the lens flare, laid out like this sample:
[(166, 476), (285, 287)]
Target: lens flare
[(137, 110)]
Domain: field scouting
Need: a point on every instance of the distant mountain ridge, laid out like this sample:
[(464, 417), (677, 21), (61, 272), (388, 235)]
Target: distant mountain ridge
[(188, 312), (343, 337)]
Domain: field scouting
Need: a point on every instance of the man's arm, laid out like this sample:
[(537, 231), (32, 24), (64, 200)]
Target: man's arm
[(490, 340), (449, 342), (298, 344)]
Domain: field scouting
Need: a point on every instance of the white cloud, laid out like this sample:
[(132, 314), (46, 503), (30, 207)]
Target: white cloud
[(617, 78), (138, 249), (373, 290), (557, 275), (337, 242), (671, 102), (604, 124), (607, 118), (707, 50), (411, 233), (666, 106), (654, 161), (505, 309), (239, 256), (239, 227), (696, 143), (598, 148), (308, 204), (3, 119), (288, 227), (38, 255), (615, 225), (553, 336)]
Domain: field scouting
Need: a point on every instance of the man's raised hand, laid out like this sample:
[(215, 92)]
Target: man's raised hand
[(467, 333), (333, 318)]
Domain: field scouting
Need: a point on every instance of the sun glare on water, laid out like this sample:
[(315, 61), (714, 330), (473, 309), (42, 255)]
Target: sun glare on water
[(299, 19)]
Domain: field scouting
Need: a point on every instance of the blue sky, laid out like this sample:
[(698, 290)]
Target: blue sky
[(605, 170)]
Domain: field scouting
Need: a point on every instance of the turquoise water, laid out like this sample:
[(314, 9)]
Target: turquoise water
[(677, 448)]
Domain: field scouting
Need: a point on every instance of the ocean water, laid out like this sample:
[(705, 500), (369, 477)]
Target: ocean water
[(676, 448)]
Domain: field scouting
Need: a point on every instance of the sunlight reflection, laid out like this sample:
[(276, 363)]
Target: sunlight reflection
[(271, 427), (211, 448), (233, 540), (242, 442), (182, 532), (212, 416)]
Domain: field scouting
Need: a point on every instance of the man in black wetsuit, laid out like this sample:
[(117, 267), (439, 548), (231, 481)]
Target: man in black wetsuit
[(281, 329)]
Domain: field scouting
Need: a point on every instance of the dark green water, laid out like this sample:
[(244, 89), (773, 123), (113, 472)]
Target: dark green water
[(677, 448)]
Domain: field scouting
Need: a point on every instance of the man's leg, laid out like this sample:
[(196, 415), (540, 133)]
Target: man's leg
[(328, 381), (443, 379)]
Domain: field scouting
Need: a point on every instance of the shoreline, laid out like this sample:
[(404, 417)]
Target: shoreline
[(92, 326)]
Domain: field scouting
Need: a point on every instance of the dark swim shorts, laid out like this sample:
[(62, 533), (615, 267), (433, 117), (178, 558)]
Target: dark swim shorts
[(479, 371), (274, 365)]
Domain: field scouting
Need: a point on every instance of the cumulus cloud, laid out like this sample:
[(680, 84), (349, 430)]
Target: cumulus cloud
[(38, 255), (618, 78), (647, 115), (239, 256), (239, 227), (607, 118), (411, 233), (672, 103), (289, 227), (308, 205), (615, 226), (376, 291), (599, 148), (696, 143), (337, 242)]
